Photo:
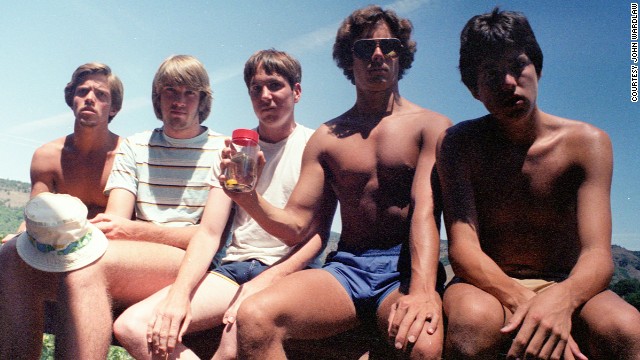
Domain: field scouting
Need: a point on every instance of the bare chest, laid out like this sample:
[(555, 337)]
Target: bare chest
[(378, 161), (522, 184), (85, 178)]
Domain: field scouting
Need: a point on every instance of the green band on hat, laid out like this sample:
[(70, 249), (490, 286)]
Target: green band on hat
[(72, 247)]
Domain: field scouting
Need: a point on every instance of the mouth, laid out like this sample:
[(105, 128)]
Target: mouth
[(177, 112), (515, 100), (88, 109), (376, 70)]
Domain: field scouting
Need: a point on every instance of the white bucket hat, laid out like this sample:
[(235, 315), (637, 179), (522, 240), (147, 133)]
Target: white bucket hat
[(59, 238)]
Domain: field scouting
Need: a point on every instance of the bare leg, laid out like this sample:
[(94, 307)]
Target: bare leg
[(426, 346), (135, 269), (308, 304), (210, 300), (612, 328), (474, 321), (129, 271), (85, 315), (22, 293)]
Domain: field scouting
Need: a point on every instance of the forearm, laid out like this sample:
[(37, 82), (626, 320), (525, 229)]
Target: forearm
[(285, 224), (298, 258), (590, 276), (425, 253), (173, 236), (195, 263), (477, 268)]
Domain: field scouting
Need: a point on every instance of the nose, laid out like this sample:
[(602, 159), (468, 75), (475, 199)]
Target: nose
[(90, 98), (265, 94), (377, 54), (509, 81), (178, 98)]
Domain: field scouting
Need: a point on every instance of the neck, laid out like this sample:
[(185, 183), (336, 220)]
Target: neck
[(377, 103), (523, 130), (276, 134), (189, 133), (92, 139)]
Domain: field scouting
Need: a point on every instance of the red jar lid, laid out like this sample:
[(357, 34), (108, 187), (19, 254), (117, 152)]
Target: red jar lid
[(242, 136)]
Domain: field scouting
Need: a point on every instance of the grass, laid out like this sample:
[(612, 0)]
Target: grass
[(48, 350)]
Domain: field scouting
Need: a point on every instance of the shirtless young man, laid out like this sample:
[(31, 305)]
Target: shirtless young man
[(528, 217), (376, 159), (199, 299), (77, 164)]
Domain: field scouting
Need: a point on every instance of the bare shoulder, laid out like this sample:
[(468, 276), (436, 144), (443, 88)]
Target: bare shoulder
[(431, 119), (49, 153), (468, 134), (578, 136)]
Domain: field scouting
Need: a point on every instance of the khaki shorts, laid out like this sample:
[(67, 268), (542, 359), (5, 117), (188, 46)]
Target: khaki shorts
[(535, 285)]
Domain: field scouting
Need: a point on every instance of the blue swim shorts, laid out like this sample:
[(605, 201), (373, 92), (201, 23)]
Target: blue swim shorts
[(368, 277), (240, 272)]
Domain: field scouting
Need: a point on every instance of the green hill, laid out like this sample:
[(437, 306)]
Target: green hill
[(13, 196)]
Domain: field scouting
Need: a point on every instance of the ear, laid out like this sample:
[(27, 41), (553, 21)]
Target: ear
[(297, 92)]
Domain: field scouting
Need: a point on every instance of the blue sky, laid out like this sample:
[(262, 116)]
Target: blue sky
[(585, 76)]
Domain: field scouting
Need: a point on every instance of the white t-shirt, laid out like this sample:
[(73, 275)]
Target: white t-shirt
[(278, 178)]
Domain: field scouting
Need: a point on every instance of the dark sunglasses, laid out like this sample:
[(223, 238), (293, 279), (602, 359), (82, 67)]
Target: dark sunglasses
[(364, 48)]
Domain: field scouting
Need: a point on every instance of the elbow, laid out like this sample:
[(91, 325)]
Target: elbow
[(608, 271), (293, 237)]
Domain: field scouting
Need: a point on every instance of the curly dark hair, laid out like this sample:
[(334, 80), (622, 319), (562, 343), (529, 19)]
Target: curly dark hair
[(493, 33), (361, 20)]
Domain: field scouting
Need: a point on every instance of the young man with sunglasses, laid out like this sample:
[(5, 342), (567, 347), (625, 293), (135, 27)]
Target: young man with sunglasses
[(528, 216), (376, 160)]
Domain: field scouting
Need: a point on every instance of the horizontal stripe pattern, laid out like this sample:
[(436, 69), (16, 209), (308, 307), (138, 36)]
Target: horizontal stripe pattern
[(168, 176)]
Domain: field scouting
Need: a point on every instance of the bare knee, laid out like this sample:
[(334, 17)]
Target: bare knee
[(254, 320), (473, 326), (90, 275), (131, 327), (259, 326), (427, 347), (617, 334)]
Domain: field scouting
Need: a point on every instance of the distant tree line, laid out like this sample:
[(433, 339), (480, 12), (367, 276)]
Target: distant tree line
[(629, 290), (15, 185), (10, 219)]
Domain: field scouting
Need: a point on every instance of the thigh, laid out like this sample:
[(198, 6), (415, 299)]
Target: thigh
[(136, 269), (308, 304), (210, 301)]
